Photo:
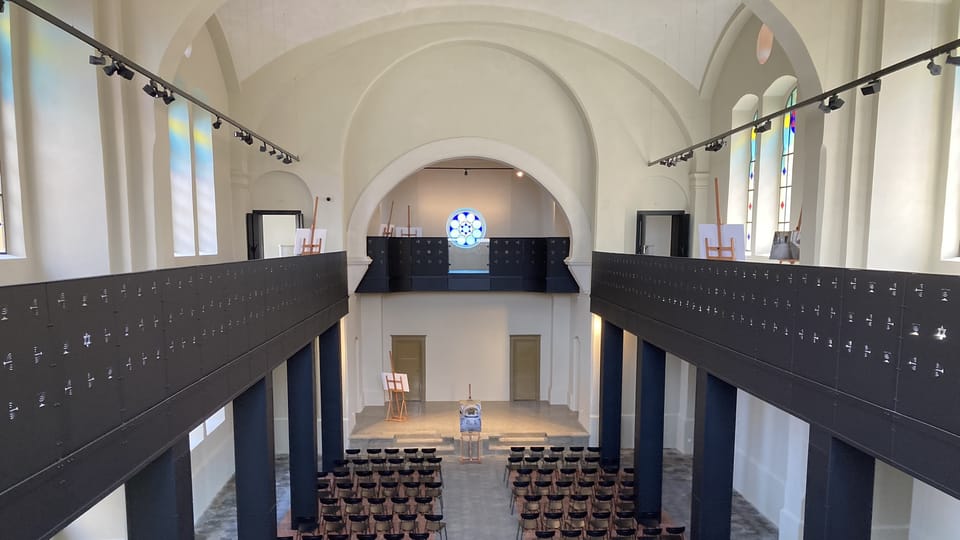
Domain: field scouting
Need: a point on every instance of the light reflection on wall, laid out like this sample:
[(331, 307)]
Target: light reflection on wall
[(181, 180)]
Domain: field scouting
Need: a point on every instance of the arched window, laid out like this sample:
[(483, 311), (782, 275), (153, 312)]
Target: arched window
[(786, 164), (752, 185)]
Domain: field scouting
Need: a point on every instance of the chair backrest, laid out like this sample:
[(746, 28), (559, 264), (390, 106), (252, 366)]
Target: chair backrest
[(596, 533), (366, 536), (545, 534), (571, 533)]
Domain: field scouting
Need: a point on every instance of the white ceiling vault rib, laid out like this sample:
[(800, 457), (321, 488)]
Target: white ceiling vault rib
[(681, 33)]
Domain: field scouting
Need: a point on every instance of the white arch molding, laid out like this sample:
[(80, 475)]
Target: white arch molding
[(581, 239)]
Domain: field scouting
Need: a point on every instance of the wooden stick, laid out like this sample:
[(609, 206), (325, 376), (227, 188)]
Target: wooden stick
[(313, 226), (716, 194), (386, 231)]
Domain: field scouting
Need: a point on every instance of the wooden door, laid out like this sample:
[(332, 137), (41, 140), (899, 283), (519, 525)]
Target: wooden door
[(525, 368), (409, 356)]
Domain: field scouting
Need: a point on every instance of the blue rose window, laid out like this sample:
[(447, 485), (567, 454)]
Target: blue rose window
[(466, 228)]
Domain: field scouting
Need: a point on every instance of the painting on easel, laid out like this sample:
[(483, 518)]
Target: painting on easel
[(718, 241)]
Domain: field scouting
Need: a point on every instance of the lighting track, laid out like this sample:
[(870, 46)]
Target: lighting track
[(868, 79), (117, 57)]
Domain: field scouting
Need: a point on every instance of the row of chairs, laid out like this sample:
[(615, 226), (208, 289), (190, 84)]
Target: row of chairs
[(359, 524), (576, 502), (596, 524), (583, 470), (368, 536), (569, 487), (420, 504), (375, 487), (541, 451)]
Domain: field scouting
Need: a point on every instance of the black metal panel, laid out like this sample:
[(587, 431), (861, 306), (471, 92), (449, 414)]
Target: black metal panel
[(83, 325), (429, 256), (30, 385), (930, 358), (926, 452), (776, 308), (870, 335), (506, 256), (106, 407), (817, 334)]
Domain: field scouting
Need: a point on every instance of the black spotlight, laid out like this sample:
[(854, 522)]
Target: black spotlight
[(110, 69), (872, 87), (168, 97), (953, 60), (715, 146), (217, 123), (273, 151), (686, 155), (287, 160), (124, 71), (465, 172), (97, 60), (832, 104), (151, 89), (239, 134), (248, 139), (934, 68), (763, 128), (281, 155), (263, 146)]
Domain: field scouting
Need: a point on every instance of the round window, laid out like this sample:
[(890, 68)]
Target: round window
[(466, 228)]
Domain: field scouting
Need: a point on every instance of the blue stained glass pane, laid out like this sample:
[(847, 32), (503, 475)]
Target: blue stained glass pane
[(466, 228)]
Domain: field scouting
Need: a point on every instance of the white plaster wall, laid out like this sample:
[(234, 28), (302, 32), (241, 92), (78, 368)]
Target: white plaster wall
[(760, 457), (212, 464), (103, 521), (467, 340), (933, 514), (512, 206)]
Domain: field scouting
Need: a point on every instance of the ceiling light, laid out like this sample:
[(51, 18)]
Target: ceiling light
[(124, 71), (168, 97), (248, 139), (217, 123), (97, 60), (287, 160), (239, 134), (465, 172), (832, 104), (151, 89), (763, 128), (686, 155), (953, 60), (110, 69), (715, 146), (519, 174), (263, 146), (934, 68), (273, 151), (280, 155), (872, 87)]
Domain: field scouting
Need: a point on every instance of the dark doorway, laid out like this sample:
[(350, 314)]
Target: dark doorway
[(663, 232), (256, 222)]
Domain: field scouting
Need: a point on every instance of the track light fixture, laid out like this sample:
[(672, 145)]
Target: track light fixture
[(763, 128), (168, 97), (465, 173), (686, 155), (287, 160), (273, 151), (151, 89), (953, 60), (872, 87), (715, 145), (97, 60), (281, 156), (125, 72), (217, 123), (832, 104), (263, 146), (934, 68)]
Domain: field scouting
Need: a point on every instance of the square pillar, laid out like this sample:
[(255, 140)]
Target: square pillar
[(715, 433), (331, 397), (648, 432), (839, 499), (159, 498), (611, 390), (302, 414), (253, 448)]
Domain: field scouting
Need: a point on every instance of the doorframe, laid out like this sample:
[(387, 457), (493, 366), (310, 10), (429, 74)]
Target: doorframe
[(511, 360), (255, 229), (679, 231), (422, 338)]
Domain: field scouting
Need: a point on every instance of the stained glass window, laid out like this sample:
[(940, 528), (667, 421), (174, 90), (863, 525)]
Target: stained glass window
[(203, 176), (181, 180), (786, 164), (6, 107), (466, 227), (752, 184)]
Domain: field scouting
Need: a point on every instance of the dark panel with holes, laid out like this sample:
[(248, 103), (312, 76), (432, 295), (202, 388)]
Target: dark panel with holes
[(100, 375), (867, 355)]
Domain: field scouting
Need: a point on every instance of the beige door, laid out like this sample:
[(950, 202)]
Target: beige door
[(409, 356), (525, 368)]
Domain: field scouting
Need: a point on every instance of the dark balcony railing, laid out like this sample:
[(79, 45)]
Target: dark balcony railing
[(871, 356), (423, 264)]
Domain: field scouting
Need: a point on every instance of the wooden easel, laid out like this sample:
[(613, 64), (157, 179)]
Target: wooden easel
[(388, 229), (397, 404), (309, 247), (719, 252), (409, 232)]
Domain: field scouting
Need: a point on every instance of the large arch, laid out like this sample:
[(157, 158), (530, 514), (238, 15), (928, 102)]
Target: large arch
[(581, 240)]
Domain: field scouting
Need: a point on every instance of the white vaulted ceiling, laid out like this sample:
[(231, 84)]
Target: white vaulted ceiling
[(681, 33)]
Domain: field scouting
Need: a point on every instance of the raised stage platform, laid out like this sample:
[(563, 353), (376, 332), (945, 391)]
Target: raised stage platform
[(436, 424)]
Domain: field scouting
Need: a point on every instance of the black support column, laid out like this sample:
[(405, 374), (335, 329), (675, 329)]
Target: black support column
[(159, 498), (254, 452), (648, 431), (302, 410), (715, 432), (839, 499), (611, 388), (331, 397)]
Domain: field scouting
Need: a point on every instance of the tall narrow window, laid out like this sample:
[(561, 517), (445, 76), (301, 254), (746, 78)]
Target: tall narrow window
[(181, 180), (752, 184), (206, 191), (786, 164), (192, 181), (6, 110)]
